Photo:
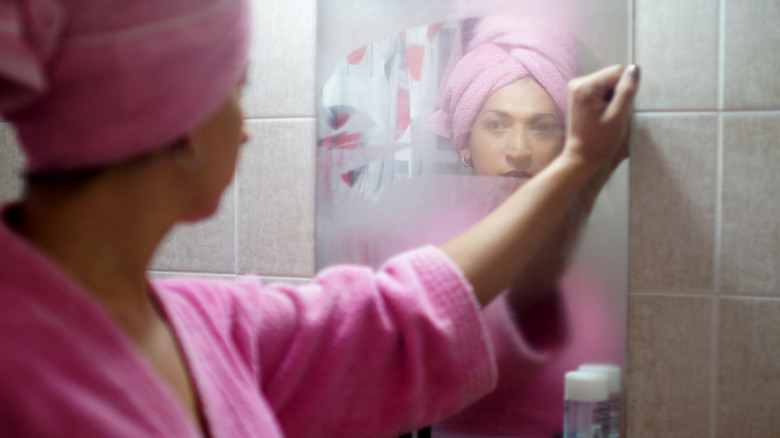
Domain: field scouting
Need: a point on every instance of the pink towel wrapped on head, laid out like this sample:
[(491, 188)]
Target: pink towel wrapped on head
[(92, 83), (498, 51)]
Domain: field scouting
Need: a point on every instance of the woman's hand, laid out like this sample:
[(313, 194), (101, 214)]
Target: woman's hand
[(599, 108)]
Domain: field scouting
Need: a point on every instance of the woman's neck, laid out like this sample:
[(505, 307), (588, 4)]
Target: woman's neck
[(103, 233)]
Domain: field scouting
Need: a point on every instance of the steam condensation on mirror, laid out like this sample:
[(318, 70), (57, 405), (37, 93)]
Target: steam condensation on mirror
[(388, 180)]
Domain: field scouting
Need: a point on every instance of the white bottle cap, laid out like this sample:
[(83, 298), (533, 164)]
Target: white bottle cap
[(612, 372), (586, 386)]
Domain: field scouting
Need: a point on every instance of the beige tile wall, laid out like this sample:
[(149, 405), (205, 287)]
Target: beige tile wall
[(704, 355), (704, 335), (266, 223)]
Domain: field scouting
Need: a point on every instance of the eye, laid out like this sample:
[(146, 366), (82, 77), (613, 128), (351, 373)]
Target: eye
[(495, 125), (542, 126), (546, 128)]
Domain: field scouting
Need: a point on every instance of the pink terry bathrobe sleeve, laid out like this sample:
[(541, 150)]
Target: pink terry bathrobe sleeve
[(355, 353)]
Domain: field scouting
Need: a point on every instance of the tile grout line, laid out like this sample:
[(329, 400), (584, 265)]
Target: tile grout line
[(673, 112), (269, 278), (717, 260), (313, 200), (627, 317), (693, 112), (703, 294), (721, 54), (236, 215), (180, 273), (715, 333), (714, 366), (631, 19)]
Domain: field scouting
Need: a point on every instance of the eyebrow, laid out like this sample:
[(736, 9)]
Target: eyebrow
[(505, 114)]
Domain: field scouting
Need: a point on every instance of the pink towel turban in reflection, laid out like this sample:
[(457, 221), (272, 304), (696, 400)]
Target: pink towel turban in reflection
[(88, 83), (501, 50)]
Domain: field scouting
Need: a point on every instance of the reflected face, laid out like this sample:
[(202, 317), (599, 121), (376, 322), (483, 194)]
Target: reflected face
[(517, 133)]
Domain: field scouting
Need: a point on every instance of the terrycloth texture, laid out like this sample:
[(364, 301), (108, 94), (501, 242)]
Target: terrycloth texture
[(534, 351), (92, 83), (355, 353), (501, 50)]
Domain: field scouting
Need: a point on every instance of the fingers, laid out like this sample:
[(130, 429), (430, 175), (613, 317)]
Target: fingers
[(625, 90), (599, 106), (596, 90), (611, 89)]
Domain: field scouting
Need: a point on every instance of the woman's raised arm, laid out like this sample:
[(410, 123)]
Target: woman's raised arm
[(495, 250)]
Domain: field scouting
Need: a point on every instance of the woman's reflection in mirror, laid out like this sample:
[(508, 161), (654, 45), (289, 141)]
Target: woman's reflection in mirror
[(503, 103)]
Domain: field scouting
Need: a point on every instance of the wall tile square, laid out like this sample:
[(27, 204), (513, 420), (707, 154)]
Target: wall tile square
[(751, 61), (676, 44), (276, 199), (606, 39), (748, 368), (750, 258), (206, 247), (669, 376), (673, 202), (11, 165), (282, 66)]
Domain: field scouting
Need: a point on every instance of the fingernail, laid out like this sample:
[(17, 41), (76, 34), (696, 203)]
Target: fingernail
[(635, 72)]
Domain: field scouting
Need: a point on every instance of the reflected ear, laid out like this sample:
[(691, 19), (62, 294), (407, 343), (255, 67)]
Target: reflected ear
[(465, 157)]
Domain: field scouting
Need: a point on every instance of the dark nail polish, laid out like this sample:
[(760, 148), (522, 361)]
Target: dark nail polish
[(635, 72)]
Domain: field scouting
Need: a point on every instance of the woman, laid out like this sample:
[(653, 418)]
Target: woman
[(128, 114), (503, 104), (502, 101)]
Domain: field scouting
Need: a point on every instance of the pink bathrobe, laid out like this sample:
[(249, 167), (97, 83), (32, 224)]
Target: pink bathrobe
[(533, 352), (354, 353)]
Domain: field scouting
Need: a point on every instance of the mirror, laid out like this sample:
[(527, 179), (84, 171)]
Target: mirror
[(429, 114)]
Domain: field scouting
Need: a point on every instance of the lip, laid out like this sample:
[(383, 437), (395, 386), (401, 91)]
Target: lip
[(517, 174)]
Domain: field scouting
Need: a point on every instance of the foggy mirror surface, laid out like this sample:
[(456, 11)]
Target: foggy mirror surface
[(430, 113)]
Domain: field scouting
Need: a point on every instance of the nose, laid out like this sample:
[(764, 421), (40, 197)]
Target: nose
[(518, 152)]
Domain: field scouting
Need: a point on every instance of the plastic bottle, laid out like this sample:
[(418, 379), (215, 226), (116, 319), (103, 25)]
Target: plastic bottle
[(615, 394), (585, 405)]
